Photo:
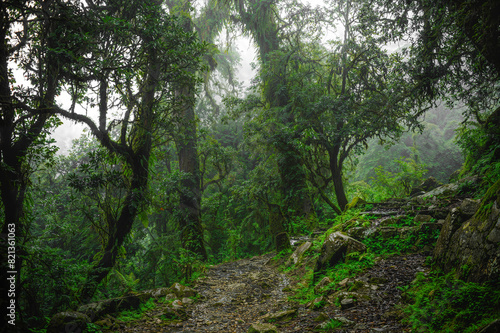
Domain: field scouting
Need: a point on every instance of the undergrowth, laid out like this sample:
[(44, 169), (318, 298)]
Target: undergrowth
[(131, 315), (441, 303)]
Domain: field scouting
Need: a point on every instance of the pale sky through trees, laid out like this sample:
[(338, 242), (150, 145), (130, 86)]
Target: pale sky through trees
[(69, 131)]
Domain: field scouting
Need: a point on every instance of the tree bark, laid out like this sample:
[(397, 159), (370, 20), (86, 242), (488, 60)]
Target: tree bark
[(192, 238), (338, 183), (276, 225)]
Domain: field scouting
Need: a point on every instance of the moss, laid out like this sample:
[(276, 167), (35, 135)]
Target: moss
[(487, 203)]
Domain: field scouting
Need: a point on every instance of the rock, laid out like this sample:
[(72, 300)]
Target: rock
[(282, 241), (472, 246), (344, 321), (181, 291), (428, 228), (441, 191), (321, 317), (170, 297), (262, 328), (297, 255), (106, 322), (69, 321), (453, 221), (322, 285), (427, 185), (347, 303), (422, 218), (468, 207), (335, 248), (357, 232), (316, 303), (387, 232), (156, 293), (174, 314), (187, 301), (282, 316), (344, 282), (391, 220), (493, 327), (177, 304)]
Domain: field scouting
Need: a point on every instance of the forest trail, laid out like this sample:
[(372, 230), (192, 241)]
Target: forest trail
[(235, 295)]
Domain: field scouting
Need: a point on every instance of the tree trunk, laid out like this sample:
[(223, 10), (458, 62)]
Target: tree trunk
[(118, 230), (190, 197), (298, 202), (338, 183), (276, 225), (187, 147)]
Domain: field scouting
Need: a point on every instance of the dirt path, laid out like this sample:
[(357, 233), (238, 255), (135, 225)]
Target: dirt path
[(237, 294)]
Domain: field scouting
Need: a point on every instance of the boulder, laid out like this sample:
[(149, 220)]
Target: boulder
[(335, 248), (69, 321), (441, 191), (356, 202), (471, 246), (469, 207), (297, 255), (262, 328), (427, 185)]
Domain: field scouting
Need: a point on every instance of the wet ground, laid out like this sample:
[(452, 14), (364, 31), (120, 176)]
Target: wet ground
[(237, 294)]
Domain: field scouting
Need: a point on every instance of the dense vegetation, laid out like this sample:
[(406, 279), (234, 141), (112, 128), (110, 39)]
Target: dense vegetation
[(181, 167)]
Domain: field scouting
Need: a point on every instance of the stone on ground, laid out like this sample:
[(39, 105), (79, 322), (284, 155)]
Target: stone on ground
[(262, 328)]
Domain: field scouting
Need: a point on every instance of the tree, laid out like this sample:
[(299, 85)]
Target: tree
[(454, 47), (135, 56), (30, 35), (341, 98), (261, 19)]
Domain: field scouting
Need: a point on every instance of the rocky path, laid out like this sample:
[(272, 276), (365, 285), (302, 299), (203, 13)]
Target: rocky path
[(235, 295)]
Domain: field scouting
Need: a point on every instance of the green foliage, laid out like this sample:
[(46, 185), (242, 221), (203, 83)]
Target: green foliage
[(481, 146), (398, 183), (441, 303), (354, 264), (133, 315), (434, 145), (412, 238), (333, 324)]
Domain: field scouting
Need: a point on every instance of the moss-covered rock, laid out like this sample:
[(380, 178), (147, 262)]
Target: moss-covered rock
[(472, 246), (334, 250), (69, 321), (297, 255)]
